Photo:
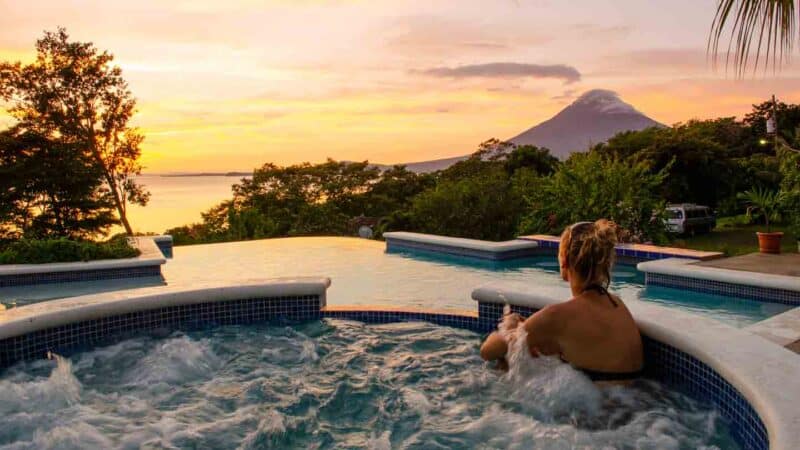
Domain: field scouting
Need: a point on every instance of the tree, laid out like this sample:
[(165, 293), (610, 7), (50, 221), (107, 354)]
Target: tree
[(394, 191), (48, 189), (698, 154), (480, 207), (72, 95), (769, 24), (538, 159), (589, 186), (788, 121), (790, 189)]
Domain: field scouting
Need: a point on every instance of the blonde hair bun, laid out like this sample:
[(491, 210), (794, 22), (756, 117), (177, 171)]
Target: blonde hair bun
[(589, 250)]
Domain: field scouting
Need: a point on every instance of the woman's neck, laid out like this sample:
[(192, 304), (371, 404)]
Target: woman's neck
[(577, 286)]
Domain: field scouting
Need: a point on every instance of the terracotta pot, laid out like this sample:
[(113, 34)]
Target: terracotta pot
[(769, 242)]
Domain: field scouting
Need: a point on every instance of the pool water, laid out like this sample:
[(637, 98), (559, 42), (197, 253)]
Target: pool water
[(363, 273), (332, 384)]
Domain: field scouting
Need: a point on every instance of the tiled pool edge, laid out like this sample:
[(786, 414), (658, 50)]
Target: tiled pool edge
[(164, 243), (731, 361), (147, 264), (98, 318), (472, 248), (683, 274)]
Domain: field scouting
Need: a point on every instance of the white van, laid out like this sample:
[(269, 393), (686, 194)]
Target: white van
[(688, 218)]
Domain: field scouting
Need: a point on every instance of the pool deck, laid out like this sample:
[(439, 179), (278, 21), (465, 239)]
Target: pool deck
[(787, 264), (783, 329)]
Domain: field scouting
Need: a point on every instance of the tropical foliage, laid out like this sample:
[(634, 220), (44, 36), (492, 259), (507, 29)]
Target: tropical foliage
[(589, 186), (790, 187), (757, 28), (763, 203), (34, 251)]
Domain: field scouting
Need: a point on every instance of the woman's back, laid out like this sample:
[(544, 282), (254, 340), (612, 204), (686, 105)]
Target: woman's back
[(599, 336), (593, 331)]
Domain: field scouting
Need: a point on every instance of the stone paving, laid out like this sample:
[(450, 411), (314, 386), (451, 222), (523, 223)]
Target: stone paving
[(783, 264)]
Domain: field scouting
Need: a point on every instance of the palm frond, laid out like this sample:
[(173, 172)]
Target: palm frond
[(757, 28)]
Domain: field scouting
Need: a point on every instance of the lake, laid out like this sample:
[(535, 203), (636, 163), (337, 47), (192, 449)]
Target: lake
[(176, 201)]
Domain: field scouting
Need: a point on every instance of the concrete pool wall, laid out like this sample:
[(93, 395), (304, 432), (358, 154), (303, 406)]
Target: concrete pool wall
[(473, 248), (685, 274), (754, 383), (147, 264)]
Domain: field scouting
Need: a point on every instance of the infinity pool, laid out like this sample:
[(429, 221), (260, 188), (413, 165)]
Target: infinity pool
[(333, 384), (363, 273)]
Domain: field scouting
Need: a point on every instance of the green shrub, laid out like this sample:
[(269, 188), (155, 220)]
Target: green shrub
[(589, 186), (790, 187), (480, 207), (35, 251)]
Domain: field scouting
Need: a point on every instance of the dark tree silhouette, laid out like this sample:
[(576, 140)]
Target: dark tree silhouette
[(72, 95)]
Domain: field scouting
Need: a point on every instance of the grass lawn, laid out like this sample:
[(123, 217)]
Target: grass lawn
[(733, 236)]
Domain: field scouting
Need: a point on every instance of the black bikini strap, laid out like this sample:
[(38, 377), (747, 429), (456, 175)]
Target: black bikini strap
[(602, 291)]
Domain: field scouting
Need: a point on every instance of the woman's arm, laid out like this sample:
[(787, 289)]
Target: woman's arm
[(544, 330), (494, 347)]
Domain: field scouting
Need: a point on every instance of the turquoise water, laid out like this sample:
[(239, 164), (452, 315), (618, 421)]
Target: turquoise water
[(332, 384), (363, 273)]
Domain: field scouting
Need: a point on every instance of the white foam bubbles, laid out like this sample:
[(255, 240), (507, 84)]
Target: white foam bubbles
[(78, 435), (60, 390), (272, 425), (176, 360), (546, 384), (416, 401), (381, 442)]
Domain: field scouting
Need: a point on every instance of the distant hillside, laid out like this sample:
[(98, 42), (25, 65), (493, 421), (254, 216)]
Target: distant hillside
[(208, 174), (593, 118), (427, 166)]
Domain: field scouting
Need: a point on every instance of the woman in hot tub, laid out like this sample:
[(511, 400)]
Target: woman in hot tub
[(593, 331)]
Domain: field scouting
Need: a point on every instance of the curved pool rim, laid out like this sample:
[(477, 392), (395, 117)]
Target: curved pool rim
[(764, 374)]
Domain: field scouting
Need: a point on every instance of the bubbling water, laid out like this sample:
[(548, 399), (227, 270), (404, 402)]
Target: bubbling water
[(333, 384)]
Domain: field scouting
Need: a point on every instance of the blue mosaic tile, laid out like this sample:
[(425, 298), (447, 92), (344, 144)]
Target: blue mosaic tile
[(80, 275), (757, 293), (663, 362), (64, 338), (700, 381), (450, 320), (165, 247)]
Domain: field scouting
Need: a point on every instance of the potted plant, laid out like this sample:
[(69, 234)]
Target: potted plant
[(766, 203)]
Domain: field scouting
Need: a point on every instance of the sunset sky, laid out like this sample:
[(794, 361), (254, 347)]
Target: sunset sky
[(229, 85)]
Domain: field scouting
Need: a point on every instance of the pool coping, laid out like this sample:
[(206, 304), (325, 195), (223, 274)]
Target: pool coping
[(767, 375), (473, 248), (38, 316), (686, 268), (150, 255), (782, 329)]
